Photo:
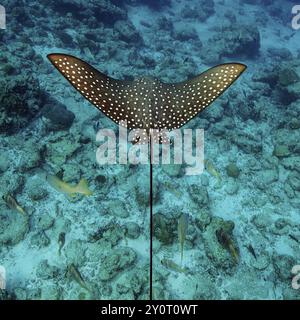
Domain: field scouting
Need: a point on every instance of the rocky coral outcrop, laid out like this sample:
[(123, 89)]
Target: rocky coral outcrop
[(248, 143), (109, 234), (20, 102), (133, 230), (115, 208), (233, 170), (185, 34), (57, 115), (51, 292), (31, 156), (47, 271), (61, 148), (192, 12), (39, 240), (257, 289), (283, 265), (75, 252), (4, 295), (164, 228), (4, 162), (232, 187), (218, 255), (134, 285), (127, 32), (36, 190), (115, 262), (199, 195), (103, 10), (234, 40), (155, 5), (14, 226), (206, 289)]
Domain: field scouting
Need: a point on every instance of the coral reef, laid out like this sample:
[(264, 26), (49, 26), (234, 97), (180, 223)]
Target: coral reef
[(234, 40), (243, 233), (104, 11), (232, 170), (116, 261), (215, 251), (58, 116), (14, 227), (192, 11), (20, 102)]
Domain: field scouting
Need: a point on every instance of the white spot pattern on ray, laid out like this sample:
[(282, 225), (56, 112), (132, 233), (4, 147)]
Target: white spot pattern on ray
[(147, 103)]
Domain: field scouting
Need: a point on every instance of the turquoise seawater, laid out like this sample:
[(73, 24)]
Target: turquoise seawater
[(71, 228)]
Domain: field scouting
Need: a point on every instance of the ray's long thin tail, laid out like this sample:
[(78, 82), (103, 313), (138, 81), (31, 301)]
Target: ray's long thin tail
[(151, 214)]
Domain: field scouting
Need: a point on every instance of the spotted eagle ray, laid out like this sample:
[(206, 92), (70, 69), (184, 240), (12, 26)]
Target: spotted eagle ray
[(147, 103)]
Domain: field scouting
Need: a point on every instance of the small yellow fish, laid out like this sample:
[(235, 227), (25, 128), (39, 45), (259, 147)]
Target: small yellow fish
[(12, 203), (75, 274), (173, 266), (66, 188), (233, 251), (212, 170), (182, 229)]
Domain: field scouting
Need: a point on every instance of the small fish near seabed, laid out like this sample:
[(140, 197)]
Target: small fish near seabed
[(225, 240), (293, 237), (61, 242), (169, 264), (251, 250), (71, 191), (75, 275), (182, 230), (213, 171), (13, 204)]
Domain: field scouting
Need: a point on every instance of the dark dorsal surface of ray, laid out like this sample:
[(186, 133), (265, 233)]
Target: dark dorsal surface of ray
[(147, 103)]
